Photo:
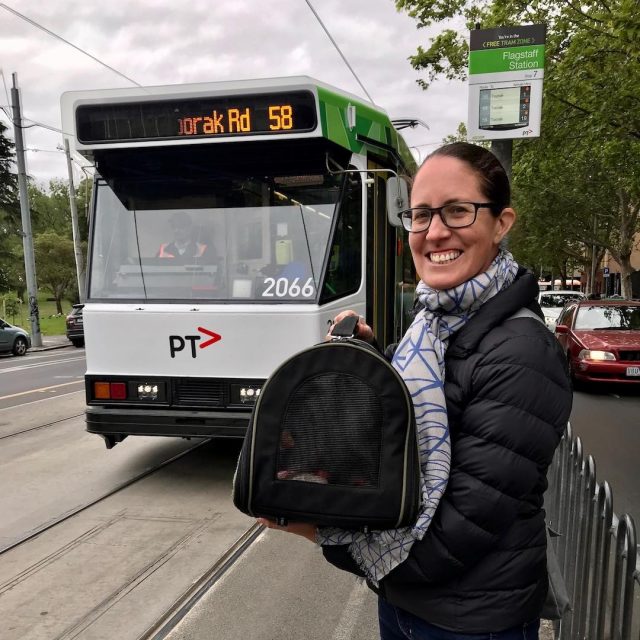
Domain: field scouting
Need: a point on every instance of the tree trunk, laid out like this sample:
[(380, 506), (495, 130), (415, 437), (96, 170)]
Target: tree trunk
[(625, 276)]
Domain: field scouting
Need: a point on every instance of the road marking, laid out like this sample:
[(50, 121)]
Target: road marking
[(26, 404), (349, 618), (24, 367), (40, 390)]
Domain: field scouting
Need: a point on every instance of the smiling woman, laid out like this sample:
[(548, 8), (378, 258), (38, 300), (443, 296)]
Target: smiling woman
[(474, 563)]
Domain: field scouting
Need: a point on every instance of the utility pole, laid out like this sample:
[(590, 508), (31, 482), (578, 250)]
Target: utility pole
[(503, 150), (27, 236), (77, 250)]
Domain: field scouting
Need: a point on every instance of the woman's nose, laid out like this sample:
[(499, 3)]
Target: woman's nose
[(437, 228)]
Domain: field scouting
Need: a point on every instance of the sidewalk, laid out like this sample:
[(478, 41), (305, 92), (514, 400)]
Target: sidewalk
[(53, 342)]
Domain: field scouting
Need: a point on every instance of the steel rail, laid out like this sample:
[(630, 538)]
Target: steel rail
[(83, 507), (185, 603)]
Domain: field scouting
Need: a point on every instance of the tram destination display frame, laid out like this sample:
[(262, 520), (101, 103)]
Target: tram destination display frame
[(201, 117)]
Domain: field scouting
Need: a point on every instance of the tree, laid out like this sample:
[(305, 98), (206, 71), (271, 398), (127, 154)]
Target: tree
[(9, 205), (55, 260), (588, 158), (11, 273)]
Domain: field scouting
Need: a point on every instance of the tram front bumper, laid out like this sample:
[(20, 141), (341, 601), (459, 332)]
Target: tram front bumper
[(128, 421)]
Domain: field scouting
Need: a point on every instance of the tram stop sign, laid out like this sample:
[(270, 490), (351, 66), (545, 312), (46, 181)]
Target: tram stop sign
[(506, 71)]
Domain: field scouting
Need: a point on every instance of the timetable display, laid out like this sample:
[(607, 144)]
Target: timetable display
[(184, 118)]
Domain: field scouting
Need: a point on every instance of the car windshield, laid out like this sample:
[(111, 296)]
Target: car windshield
[(549, 300), (608, 317)]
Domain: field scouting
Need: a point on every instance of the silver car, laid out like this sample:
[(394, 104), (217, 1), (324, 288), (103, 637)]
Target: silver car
[(552, 303), (13, 339)]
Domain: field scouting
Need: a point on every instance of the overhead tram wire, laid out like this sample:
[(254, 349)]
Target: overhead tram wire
[(55, 35), (335, 44)]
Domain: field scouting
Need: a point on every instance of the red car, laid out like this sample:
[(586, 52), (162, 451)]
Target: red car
[(602, 340)]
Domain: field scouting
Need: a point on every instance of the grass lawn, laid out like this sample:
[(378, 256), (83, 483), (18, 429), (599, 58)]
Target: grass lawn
[(50, 323)]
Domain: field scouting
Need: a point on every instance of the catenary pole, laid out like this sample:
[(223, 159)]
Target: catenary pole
[(27, 236), (503, 150), (77, 250)]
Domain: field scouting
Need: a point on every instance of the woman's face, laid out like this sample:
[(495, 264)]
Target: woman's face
[(443, 257)]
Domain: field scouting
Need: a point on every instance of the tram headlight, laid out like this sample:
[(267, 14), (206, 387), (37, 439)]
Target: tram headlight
[(246, 394), (147, 391)]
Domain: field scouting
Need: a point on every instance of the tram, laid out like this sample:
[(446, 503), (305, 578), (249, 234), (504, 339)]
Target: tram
[(230, 223)]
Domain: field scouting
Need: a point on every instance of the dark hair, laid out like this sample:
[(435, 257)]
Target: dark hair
[(494, 181), (180, 220)]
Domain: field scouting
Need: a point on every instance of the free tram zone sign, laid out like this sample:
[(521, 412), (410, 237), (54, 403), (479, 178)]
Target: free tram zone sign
[(506, 71)]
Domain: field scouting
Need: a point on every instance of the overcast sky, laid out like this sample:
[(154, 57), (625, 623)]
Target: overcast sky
[(158, 42)]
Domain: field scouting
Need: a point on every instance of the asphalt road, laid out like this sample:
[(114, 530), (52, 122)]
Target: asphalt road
[(607, 419), (40, 374)]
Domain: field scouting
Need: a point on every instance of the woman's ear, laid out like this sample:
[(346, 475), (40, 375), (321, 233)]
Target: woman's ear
[(504, 223)]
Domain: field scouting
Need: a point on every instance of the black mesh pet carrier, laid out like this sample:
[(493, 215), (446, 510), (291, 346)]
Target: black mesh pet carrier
[(332, 441)]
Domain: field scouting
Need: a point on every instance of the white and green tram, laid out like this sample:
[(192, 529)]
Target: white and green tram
[(287, 192)]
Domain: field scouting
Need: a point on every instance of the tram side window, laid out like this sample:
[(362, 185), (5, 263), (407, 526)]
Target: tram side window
[(344, 271)]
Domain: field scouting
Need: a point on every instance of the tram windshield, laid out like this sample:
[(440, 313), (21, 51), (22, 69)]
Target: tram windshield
[(263, 236)]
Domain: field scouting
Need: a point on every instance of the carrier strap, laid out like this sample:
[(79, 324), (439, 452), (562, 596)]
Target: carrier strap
[(526, 313), (345, 328)]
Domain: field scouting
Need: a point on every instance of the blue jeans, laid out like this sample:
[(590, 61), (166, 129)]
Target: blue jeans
[(396, 624)]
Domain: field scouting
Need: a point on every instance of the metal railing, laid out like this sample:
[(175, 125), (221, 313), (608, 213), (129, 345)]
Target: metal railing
[(596, 551)]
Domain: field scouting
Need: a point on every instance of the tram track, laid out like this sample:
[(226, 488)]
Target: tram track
[(33, 533), (42, 426), (185, 603)]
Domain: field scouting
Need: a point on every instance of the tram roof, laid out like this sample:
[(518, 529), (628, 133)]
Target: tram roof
[(343, 118)]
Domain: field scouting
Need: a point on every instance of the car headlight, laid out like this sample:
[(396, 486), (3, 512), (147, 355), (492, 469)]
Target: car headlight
[(590, 354)]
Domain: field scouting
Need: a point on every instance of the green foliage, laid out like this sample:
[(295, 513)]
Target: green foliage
[(579, 184), (11, 307), (9, 207), (55, 262)]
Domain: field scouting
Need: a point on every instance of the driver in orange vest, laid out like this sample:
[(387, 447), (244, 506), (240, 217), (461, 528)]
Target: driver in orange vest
[(183, 249)]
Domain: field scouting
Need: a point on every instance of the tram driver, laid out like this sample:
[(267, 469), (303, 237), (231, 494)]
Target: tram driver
[(183, 248)]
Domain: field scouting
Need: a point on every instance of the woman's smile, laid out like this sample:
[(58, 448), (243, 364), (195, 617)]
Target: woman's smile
[(446, 257)]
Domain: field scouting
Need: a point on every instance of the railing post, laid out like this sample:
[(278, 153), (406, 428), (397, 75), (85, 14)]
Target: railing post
[(604, 515), (584, 568), (622, 605)]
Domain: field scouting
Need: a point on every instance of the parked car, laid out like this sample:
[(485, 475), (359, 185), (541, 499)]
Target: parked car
[(552, 303), (602, 340), (75, 326), (13, 339)]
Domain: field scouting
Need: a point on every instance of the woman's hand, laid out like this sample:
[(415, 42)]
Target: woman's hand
[(363, 330), (303, 529)]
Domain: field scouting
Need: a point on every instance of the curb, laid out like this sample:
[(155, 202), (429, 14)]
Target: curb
[(45, 347)]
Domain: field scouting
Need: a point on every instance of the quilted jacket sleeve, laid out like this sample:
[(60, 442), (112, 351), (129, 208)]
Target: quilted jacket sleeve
[(508, 406)]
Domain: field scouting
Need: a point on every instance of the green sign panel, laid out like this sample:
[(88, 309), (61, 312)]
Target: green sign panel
[(507, 59)]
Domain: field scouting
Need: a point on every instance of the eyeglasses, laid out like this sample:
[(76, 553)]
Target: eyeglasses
[(455, 215)]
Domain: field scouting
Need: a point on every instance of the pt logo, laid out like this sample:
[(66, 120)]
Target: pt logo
[(178, 343)]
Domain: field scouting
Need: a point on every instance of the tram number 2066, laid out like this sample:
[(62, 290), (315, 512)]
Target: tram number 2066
[(285, 288)]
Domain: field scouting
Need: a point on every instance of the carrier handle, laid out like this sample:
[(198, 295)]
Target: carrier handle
[(346, 328)]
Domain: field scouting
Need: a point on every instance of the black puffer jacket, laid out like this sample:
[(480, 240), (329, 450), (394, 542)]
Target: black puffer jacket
[(482, 564)]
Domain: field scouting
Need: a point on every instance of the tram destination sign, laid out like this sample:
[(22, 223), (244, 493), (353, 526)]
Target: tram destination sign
[(506, 71), (203, 117)]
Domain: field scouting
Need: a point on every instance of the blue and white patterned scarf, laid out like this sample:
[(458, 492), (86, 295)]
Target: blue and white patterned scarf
[(419, 359)]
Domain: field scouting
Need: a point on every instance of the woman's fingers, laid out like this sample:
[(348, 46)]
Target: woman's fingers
[(303, 529), (363, 330)]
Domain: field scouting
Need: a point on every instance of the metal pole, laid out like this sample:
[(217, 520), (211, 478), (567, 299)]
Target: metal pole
[(77, 250), (27, 237), (503, 150)]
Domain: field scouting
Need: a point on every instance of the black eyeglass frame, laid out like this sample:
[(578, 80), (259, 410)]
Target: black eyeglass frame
[(433, 210)]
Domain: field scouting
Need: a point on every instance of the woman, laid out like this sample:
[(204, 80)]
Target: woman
[(474, 566)]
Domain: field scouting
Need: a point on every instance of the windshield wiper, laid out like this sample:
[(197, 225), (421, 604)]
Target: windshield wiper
[(611, 329)]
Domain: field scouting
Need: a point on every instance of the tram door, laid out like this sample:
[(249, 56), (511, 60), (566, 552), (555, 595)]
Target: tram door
[(382, 262)]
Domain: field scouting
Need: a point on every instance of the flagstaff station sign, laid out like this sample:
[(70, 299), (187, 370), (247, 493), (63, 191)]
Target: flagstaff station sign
[(506, 71)]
